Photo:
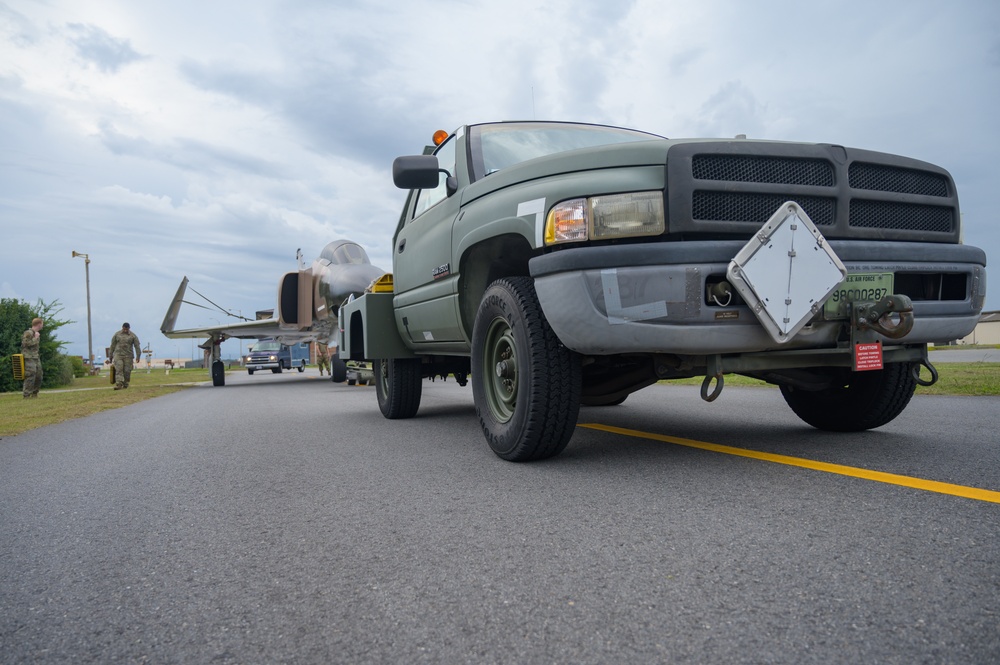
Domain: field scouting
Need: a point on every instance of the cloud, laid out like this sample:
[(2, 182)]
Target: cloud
[(214, 139), (187, 153), (732, 109), (96, 46), (16, 28), (993, 56), (7, 291)]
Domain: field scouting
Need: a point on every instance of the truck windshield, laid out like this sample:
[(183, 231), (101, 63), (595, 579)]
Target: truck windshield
[(497, 146), (267, 346)]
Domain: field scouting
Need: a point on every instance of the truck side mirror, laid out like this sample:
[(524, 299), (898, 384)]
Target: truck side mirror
[(415, 172)]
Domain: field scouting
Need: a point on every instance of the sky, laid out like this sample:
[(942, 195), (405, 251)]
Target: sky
[(215, 139)]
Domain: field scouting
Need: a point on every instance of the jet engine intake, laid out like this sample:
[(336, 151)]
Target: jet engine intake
[(295, 300)]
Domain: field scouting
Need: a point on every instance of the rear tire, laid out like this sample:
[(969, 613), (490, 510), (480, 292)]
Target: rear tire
[(338, 370), (302, 368), (398, 385), (856, 401), (525, 383)]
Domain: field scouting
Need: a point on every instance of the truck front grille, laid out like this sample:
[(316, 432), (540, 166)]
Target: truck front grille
[(902, 216), (740, 168), (733, 187), (881, 178), (740, 207)]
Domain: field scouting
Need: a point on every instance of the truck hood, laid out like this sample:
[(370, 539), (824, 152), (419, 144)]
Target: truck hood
[(615, 155)]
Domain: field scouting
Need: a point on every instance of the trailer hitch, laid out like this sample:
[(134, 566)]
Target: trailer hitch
[(869, 318), (876, 316)]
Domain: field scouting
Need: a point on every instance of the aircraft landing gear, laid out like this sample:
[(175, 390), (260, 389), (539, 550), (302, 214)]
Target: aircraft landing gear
[(218, 373), (338, 370)]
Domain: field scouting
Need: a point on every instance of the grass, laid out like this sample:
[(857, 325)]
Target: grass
[(964, 347), (94, 394), (140, 377), (87, 396), (974, 379)]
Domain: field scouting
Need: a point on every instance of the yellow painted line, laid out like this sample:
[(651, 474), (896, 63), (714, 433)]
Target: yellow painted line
[(839, 469)]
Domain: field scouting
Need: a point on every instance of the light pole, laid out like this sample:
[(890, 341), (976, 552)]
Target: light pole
[(90, 337)]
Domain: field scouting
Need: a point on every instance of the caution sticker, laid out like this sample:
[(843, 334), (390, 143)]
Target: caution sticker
[(868, 356)]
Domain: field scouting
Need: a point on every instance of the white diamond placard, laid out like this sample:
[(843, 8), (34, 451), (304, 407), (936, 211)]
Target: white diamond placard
[(786, 272)]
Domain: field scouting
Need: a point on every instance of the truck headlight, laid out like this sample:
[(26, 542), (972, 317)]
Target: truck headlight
[(608, 216), (274, 358), (626, 215)]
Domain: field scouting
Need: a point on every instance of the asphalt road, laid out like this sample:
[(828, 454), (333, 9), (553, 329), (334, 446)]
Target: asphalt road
[(960, 355), (281, 519)]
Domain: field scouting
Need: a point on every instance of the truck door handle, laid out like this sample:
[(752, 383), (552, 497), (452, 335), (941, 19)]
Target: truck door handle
[(402, 245)]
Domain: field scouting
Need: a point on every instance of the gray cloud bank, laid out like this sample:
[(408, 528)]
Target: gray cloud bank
[(213, 140)]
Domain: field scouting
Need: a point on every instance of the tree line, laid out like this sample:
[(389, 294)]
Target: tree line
[(15, 317)]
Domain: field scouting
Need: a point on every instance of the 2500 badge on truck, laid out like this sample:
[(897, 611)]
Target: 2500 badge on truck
[(558, 264)]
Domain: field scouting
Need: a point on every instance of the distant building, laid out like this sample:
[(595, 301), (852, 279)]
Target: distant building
[(987, 330)]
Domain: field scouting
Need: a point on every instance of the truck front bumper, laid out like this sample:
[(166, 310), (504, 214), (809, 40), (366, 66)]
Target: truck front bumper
[(651, 297), (263, 364)]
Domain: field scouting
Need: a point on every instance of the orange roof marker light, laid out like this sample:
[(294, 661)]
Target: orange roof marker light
[(439, 137)]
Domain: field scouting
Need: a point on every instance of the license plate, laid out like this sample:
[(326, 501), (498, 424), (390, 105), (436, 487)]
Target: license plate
[(868, 287), (256, 367)]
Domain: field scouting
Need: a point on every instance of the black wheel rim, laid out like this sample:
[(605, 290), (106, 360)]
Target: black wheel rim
[(500, 369)]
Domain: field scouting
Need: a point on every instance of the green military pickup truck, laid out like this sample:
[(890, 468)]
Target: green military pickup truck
[(560, 264)]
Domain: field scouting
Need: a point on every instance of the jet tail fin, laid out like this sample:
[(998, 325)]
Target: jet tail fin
[(170, 320)]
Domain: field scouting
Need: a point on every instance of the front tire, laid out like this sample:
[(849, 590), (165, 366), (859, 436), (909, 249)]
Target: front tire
[(855, 401), (398, 385), (525, 383)]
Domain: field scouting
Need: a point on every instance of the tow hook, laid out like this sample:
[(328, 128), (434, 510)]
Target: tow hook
[(930, 368), (876, 316), (707, 383), (713, 372)]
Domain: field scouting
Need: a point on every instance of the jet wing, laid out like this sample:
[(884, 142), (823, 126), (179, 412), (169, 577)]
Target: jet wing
[(240, 329)]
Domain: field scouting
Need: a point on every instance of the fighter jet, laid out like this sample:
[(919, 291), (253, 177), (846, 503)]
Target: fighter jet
[(308, 304)]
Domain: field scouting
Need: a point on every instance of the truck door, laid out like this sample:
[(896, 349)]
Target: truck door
[(426, 284)]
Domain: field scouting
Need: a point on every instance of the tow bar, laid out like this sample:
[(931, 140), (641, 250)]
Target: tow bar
[(867, 320)]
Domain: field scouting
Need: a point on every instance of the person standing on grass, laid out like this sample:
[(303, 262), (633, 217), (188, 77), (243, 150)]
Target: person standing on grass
[(30, 341), (122, 344)]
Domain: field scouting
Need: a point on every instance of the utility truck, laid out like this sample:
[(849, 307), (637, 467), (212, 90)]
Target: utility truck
[(275, 356), (556, 265)]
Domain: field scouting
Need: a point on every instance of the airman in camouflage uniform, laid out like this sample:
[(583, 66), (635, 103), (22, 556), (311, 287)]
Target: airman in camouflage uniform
[(32, 362), (322, 357), (121, 355)]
